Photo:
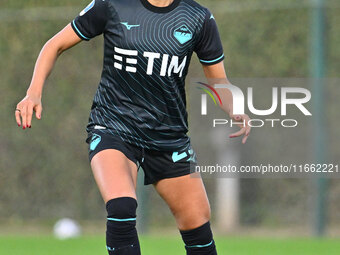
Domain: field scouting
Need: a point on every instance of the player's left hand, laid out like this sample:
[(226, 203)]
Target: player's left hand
[(25, 108), (243, 120)]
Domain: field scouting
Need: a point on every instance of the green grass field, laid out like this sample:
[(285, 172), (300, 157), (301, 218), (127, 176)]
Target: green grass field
[(152, 245)]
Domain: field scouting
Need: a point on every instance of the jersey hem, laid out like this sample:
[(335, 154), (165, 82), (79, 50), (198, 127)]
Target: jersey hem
[(77, 31), (213, 61)]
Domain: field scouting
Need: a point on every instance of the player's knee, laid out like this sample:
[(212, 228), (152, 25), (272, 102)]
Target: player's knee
[(199, 241), (194, 218), (121, 230)]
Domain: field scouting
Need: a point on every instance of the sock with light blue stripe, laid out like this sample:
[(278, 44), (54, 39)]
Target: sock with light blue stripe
[(121, 233), (199, 241)]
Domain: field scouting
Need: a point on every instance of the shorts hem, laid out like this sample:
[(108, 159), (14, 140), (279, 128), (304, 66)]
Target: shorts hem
[(126, 154), (169, 176)]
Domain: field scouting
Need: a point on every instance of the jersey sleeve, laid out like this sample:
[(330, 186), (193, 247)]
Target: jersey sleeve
[(209, 46), (92, 20)]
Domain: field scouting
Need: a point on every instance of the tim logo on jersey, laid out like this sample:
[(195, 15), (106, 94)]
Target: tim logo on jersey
[(127, 60)]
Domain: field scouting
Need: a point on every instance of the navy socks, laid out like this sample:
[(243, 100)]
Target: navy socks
[(121, 233), (199, 241)]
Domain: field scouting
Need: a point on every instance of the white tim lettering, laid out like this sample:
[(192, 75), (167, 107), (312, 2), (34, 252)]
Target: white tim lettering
[(131, 61), (173, 67), (151, 59), (126, 52), (118, 66), (164, 64), (119, 58), (131, 69)]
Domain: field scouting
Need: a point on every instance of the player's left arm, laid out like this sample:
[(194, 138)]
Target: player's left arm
[(216, 75)]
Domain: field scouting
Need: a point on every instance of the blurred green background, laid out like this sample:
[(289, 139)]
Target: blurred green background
[(45, 173)]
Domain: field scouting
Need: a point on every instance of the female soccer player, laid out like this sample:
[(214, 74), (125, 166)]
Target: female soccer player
[(139, 110)]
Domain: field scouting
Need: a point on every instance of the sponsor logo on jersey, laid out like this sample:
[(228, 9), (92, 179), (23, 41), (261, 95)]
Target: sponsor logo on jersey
[(89, 7), (127, 60), (128, 27), (183, 34)]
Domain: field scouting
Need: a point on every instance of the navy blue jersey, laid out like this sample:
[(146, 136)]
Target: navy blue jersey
[(141, 95)]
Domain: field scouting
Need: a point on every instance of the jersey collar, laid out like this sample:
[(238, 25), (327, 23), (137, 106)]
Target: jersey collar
[(157, 9)]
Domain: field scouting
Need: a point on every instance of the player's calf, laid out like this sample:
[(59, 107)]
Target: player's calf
[(121, 233), (199, 241)]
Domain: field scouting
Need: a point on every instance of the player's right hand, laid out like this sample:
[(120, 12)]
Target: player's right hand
[(25, 108)]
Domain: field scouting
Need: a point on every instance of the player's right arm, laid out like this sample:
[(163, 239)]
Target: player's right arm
[(62, 41)]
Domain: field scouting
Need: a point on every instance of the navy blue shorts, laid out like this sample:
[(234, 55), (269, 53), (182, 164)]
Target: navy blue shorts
[(157, 165)]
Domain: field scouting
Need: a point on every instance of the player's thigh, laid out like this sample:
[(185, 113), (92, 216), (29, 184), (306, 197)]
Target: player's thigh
[(187, 200), (115, 174)]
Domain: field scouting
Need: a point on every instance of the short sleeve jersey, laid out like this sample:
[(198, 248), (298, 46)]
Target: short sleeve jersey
[(147, 52)]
